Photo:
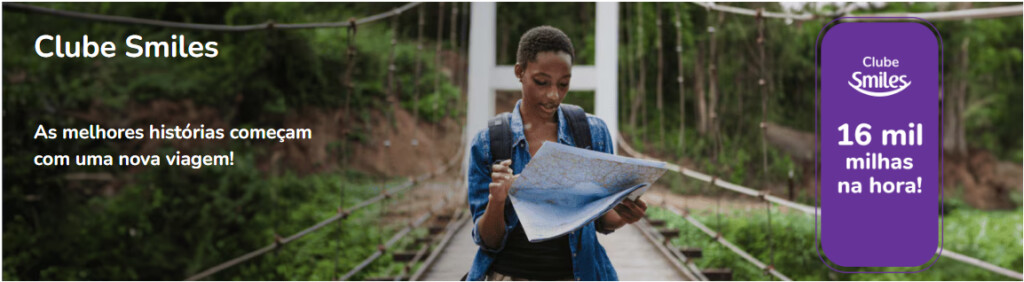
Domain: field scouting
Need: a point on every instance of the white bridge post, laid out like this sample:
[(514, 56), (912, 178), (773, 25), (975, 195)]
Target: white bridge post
[(606, 92), (485, 76)]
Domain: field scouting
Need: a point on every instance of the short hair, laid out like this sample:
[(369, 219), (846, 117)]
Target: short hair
[(543, 39)]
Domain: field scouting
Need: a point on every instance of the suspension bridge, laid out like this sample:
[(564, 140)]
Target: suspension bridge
[(640, 251)]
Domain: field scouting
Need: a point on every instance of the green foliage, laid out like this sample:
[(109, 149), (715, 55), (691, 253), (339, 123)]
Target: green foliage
[(985, 235), (165, 223), (184, 221), (270, 72), (583, 99), (994, 78), (575, 19)]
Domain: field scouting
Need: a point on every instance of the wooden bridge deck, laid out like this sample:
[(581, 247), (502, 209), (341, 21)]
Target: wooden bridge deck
[(633, 255)]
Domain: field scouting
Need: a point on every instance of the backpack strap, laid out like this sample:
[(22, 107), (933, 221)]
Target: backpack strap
[(500, 131), (578, 124)]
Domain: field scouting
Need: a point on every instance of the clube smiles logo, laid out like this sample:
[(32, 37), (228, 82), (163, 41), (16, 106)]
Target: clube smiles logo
[(882, 84)]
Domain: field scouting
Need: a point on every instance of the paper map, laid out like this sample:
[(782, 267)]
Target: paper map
[(564, 188)]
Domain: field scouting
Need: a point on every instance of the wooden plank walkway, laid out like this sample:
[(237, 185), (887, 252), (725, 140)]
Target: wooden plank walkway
[(633, 256)]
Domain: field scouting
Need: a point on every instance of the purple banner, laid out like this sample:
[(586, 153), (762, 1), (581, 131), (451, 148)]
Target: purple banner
[(880, 144)]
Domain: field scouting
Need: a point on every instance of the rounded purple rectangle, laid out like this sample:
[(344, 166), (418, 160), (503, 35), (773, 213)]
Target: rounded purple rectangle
[(880, 144)]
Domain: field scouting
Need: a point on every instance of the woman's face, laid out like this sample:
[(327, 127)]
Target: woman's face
[(545, 82)]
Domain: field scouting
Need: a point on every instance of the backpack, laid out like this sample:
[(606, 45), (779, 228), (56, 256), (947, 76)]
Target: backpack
[(500, 131)]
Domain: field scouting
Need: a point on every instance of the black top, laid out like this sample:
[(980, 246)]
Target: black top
[(547, 260)]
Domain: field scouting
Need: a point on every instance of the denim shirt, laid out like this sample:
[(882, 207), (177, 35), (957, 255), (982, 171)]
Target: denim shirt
[(589, 260)]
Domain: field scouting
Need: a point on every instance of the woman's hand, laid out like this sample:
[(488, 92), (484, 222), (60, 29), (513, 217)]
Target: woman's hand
[(501, 180), (626, 212), (631, 211), (492, 224)]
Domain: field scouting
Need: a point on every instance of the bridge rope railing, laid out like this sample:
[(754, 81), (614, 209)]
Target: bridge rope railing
[(351, 25), (717, 236), (456, 219), (751, 12), (760, 14), (382, 249), (269, 25), (732, 247), (769, 269), (340, 215), (810, 210), (718, 182), (688, 268), (975, 13), (450, 231), (963, 14)]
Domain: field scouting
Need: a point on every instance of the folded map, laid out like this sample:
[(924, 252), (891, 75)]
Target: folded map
[(563, 188)]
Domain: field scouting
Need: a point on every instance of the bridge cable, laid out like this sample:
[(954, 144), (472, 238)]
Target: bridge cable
[(452, 32), (809, 210), (393, 89), (341, 215), (764, 142), (679, 78), (383, 247), (351, 26), (418, 71), (437, 60), (660, 89), (963, 14), (717, 236), (340, 230), (270, 24)]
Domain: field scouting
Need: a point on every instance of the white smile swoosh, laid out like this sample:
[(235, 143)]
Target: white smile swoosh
[(879, 94)]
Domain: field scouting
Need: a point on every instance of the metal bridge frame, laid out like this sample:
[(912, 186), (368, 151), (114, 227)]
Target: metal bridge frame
[(486, 77)]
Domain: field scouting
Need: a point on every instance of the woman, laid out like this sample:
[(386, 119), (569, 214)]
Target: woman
[(544, 68)]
